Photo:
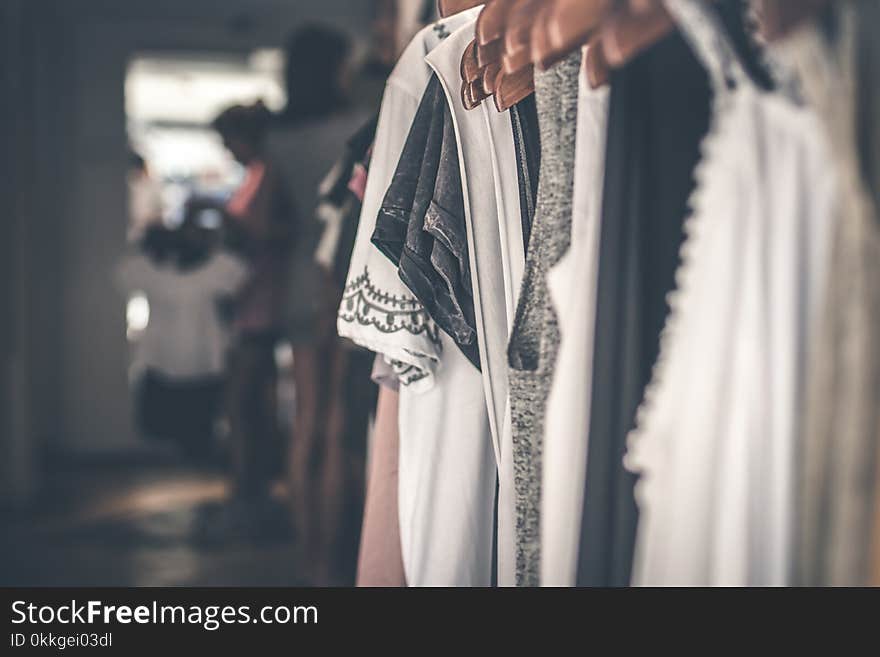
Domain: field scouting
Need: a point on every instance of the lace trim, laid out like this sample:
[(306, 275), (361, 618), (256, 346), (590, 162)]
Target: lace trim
[(365, 304), (406, 373), (692, 20)]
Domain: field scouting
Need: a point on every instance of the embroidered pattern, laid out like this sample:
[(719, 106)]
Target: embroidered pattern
[(364, 304), (407, 374), (441, 31)]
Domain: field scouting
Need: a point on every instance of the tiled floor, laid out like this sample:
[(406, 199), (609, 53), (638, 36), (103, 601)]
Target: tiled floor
[(134, 525)]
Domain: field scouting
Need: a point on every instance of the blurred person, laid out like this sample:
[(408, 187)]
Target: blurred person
[(260, 225), (144, 199), (179, 358), (308, 138)]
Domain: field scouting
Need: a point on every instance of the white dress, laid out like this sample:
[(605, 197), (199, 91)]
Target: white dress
[(446, 468), (572, 283), (717, 436), (490, 185)]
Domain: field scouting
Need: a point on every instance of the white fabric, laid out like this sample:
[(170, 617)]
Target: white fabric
[(446, 478), (184, 337), (716, 437), (446, 469), (572, 286), (332, 217), (495, 242), (378, 311)]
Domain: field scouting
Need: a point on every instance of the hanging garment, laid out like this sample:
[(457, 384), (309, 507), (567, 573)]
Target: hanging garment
[(380, 562), (527, 144), (841, 426), (446, 470), (658, 114), (715, 441), (447, 478), (494, 225), (572, 287), (868, 72), (377, 310), (421, 223), (535, 337)]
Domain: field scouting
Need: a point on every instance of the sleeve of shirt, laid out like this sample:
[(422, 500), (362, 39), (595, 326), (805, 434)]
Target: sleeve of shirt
[(378, 311)]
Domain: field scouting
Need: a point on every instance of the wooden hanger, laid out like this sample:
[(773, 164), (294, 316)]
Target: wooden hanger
[(449, 8), (516, 79), (518, 35), (543, 57), (780, 17), (595, 65), (489, 53), (476, 91), (490, 76), (472, 89), (634, 27), (467, 99), (472, 94), (470, 68), (482, 68), (511, 88), (479, 64), (492, 21), (568, 26)]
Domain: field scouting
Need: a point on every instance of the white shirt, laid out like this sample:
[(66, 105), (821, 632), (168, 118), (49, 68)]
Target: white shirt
[(446, 469), (184, 337), (490, 189), (572, 283)]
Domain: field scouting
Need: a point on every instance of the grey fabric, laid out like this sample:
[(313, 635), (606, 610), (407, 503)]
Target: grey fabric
[(535, 337), (323, 139), (445, 221), (842, 421), (421, 225), (439, 230)]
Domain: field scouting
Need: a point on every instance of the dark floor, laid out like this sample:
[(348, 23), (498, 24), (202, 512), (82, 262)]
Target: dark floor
[(135, 525)]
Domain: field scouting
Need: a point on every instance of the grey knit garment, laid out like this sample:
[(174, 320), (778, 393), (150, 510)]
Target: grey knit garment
[(842, 422), (534, 341)]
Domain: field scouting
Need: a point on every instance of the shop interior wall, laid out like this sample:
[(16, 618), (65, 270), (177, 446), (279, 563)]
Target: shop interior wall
[(63, 355)]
